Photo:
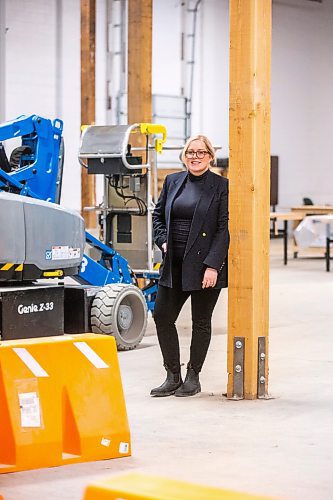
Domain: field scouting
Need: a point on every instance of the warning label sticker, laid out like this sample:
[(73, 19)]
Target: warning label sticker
[(62, 253), (123, 447), (105, 442), (29, 409)]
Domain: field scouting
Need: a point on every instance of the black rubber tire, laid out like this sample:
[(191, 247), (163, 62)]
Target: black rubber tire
[(120, 310)]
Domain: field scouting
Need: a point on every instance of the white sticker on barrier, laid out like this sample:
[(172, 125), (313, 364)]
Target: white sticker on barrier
[(123, 447), (30, 362), (105, 442), (90, 354), (29, 409)]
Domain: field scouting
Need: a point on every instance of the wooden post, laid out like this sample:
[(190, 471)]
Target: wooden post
[(88, 21), (139, 100), (139, 60), (249, 171)]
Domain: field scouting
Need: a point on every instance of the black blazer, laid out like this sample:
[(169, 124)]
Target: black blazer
[(208, 240)]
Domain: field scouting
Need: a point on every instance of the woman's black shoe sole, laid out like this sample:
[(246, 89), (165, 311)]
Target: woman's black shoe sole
[(185, 394)]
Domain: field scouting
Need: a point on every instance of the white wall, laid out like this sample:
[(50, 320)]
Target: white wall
[(166, 72), (211, 68), (302, 99), (2, 58), (302, 86), (211, 74), (71, 102), (302, 81), (30, 63), (211, 77)]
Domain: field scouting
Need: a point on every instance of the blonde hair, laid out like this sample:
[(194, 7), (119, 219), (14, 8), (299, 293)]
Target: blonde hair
[(207, 143)]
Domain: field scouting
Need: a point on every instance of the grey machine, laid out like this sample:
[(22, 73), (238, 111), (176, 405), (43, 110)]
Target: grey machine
[(128, 175), (39, 240)]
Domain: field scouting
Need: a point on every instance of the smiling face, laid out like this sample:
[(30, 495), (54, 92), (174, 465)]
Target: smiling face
[(195, 165)]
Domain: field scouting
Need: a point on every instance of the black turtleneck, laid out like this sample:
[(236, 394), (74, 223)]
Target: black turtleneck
[(182, 212)]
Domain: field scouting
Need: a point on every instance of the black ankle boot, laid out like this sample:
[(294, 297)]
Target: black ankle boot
[(169, 386), (191, 385)]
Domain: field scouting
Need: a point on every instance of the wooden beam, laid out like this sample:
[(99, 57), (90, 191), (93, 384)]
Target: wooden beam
[(139, 99), (88, 22), (249, 171), (139, 60)]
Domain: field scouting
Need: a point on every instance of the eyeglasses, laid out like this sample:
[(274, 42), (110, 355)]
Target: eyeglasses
[(199, 154)]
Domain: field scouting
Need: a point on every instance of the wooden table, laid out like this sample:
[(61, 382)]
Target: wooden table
[(285, 217), (313, 209)]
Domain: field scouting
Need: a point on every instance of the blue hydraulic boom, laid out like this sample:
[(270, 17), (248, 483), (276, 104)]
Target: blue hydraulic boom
[(35, 167)]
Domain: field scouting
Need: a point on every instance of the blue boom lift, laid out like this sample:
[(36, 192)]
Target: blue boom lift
[(106, 292)]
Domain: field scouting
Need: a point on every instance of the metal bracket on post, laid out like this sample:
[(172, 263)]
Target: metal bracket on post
[(262, 357), (239, 349)]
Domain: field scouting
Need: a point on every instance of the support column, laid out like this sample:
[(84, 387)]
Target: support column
[(88, 22), (139, 60), (139, 98), (249, 171)]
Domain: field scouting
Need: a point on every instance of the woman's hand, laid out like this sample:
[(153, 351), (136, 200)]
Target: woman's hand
[(210, 278), (164, 247)]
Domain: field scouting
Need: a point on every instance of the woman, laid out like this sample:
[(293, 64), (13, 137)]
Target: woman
[(190, 223)]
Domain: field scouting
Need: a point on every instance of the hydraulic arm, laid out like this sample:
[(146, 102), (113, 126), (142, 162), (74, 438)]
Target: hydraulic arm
[(35, 167)]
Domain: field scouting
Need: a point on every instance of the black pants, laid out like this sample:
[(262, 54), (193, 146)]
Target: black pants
[(169, 302)]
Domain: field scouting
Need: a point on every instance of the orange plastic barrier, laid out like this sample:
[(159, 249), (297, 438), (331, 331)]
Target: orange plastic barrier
[(61, 402), (142, 487)]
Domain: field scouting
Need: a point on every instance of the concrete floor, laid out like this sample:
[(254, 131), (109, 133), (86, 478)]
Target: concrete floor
[(282, 447)]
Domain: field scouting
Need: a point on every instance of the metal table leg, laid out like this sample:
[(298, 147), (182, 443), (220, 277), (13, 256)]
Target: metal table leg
[(328, 247), (285, 241)]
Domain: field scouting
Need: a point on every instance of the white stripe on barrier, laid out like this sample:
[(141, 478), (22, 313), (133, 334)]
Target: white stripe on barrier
[(30, 362), (90, 354)]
